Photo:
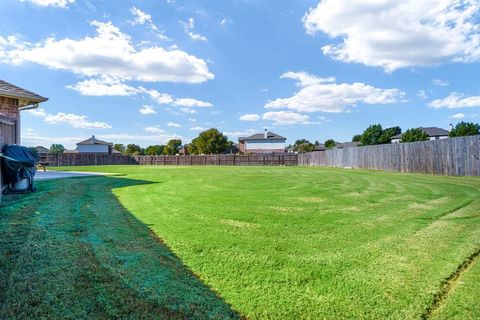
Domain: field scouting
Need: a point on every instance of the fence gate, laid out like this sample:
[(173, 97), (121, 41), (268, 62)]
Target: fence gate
[(7, 136)]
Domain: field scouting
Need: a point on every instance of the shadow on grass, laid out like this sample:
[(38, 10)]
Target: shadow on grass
[(71, 250)]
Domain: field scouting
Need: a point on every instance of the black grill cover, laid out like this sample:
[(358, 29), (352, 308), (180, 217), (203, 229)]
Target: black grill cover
[(19, 163)]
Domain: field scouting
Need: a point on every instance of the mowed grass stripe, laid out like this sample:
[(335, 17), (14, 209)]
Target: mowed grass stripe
[(303, 242)]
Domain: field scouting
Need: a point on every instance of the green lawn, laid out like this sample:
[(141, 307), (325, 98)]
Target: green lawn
[(273, 242)]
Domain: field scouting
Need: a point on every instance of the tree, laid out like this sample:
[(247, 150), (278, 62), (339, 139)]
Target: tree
[(371, 135), (413, 135), (210, 141), (330, 143), (192, 147), (387, 134), (119, 147), (57, 148), (133, 149), (356, 138), (465, 129), (172, 147), (303, 145), (154, 150)]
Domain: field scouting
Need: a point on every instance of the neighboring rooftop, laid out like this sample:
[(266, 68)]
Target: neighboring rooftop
[(430, 131), (41, 149), (340, 145), (26, 97), (94, 140), (261, 136)]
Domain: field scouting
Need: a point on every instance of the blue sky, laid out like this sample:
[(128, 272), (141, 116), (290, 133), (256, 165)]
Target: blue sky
[(147, 71)]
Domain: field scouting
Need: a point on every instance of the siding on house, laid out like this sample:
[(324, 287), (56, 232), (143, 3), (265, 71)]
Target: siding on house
[(265, 146), (267, 142), (93, 148)]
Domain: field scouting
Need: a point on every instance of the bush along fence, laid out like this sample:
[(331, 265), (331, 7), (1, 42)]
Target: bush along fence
[(201, 160), (454, 156)]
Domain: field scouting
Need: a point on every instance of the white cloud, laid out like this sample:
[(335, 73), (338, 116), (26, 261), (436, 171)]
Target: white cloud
[(189, 28), (144, 140), (144, 18), (155, 129), (110, 53), (147, 110), (53, 3), (76, 121), (192, 119), (188, 110), (305, 79), (141, 17), (395, 34), (198, 129), (236, 134), (317, 96), (39, 112), (285, 117), (105, 86), (457, 116), (223, 22), (456, 100), (440, 83), (250, 117), (173, 124), (188, 102), (422, 94), (160, 98), (32, 138)]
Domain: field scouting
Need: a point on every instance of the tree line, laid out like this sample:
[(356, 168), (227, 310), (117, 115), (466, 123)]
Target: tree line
[(376, 134), (210, 141)]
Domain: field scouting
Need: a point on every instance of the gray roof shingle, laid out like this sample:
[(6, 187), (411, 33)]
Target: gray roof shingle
[(431, 131), (94, 140), (13, 91), (261, 136)]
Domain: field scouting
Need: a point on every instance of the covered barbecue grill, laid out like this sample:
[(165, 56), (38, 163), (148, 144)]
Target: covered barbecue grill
[(18, 167)]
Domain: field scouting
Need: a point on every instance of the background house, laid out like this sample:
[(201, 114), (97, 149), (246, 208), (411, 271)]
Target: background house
[(433, 133), (93, 146), (267, 142)]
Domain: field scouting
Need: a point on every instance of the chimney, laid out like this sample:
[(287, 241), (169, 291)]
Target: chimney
[(93, 139), (265, 135), (450, 128)]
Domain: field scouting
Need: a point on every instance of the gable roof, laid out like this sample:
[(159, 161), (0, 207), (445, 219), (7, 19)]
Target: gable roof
[(94, 140), (430, 131), (261, 136), (41, 149), (12, 91), (341, 145)]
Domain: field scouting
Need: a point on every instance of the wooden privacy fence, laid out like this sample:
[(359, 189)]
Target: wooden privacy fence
[(76, 159), (454, 156), (220, 160)]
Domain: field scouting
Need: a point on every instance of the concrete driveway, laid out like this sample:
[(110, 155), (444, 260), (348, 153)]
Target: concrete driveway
[(48, 175)]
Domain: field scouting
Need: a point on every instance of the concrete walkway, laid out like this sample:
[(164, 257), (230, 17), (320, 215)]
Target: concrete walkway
[(48, 175)]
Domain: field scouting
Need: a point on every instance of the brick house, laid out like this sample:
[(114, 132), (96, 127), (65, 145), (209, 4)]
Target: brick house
[(13, 100)]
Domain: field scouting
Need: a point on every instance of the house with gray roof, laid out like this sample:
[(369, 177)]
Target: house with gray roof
[(267, 142), (433, 133), (93, 146)]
